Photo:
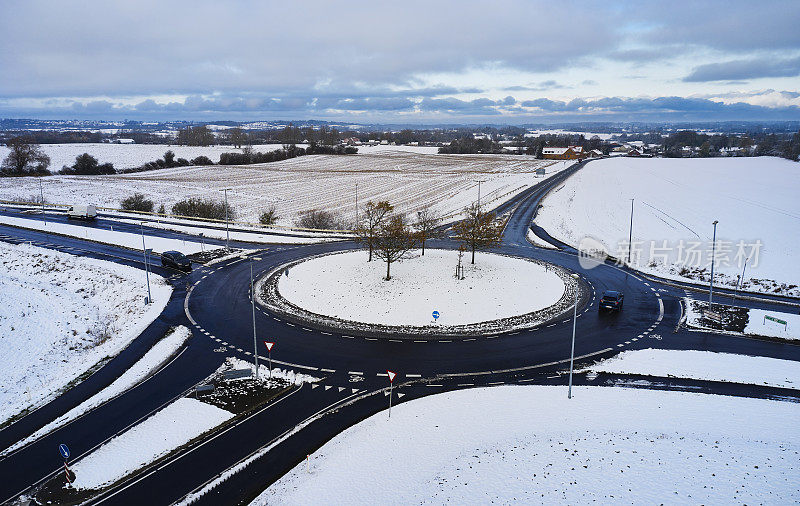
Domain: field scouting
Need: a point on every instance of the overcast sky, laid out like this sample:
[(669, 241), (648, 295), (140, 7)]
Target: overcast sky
[(401, 61)]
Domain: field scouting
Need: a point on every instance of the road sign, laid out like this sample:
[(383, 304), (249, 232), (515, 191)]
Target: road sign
[(269, 345), (436, 315), (237, 374), (64, 451), (776, 320), (391, 375), (391, 383)]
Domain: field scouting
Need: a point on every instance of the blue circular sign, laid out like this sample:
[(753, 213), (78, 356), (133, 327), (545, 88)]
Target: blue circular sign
[(435, 315), (63, 450)]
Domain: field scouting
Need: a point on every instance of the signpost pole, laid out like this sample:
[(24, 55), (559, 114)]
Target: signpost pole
[(146, 266), (391, 384), (713, 248), (269, 356), (574, 320)]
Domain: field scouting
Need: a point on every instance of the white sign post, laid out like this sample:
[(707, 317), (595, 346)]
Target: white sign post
[(269, 355), (391, 383)]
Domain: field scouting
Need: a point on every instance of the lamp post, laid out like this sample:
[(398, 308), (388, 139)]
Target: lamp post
[(41, 199), (253, 305), (227, 235), (741, 280), (574, 321), (356, 206), (630, 235), (146, 265), (713, 247), (479, 181)]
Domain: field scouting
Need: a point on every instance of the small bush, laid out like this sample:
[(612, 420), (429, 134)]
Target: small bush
[(202, 160), (318, 219), (268, 217), (137, 202), (203, 208), (161, 209)]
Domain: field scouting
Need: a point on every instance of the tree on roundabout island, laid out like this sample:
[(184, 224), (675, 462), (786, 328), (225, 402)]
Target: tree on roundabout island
[(375, 217), (394, 241), (427, 225), (478, 230)]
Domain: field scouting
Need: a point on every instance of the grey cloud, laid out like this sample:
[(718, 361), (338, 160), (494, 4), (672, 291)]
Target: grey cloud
[(745, 69)]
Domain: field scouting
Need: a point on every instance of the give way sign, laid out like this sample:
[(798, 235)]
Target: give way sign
[(391, 375), (269, 345)]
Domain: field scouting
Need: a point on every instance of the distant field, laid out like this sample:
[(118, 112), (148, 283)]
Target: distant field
[(408, 180), (755, 201)]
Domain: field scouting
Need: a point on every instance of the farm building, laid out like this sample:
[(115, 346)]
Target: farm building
[(568, 153)]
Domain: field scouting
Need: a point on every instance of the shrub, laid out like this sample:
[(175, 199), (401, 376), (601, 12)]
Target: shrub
[(268, 217), (161, 209), (87, 165), (137, 202), (202, 160), (203, 208), (321, 220)]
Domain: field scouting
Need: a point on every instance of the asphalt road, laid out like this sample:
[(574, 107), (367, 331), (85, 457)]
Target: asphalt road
[(214, 302)]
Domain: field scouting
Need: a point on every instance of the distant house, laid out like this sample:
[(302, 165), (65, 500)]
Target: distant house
[(634, 152), (568, 153), (124, 141), (595, 153)]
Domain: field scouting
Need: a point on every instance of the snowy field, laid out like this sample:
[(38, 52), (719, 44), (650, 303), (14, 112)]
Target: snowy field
[(756, 323), (676, 201), (60, 315), (605, 445), (495, 287), (408, 180), (127, 156), (170, 428), (704, 365), (141, 370), (109, 236)]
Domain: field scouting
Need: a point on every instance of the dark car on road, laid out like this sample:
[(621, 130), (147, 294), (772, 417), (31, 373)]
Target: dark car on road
[(176, 260), (611, 300)]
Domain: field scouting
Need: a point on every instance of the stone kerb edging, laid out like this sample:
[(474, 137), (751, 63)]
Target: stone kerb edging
[(269, 297)]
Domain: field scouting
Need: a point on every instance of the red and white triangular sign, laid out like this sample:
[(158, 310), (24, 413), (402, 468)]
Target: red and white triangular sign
[(269, 345), (391, 375)]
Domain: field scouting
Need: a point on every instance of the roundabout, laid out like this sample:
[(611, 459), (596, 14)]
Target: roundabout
[(346, 292)]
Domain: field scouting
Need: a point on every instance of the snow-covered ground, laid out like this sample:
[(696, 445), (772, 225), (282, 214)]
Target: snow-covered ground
[(605, 445), (538, 241), (759, 325), (109, 236), (60, 315), (676, 201), (142, 369), (704, 365), (348, 287), (408, 180), (127, 156), (280, 375), (158, 435)]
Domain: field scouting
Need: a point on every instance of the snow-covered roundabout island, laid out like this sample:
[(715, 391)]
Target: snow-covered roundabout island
[(344, 291)]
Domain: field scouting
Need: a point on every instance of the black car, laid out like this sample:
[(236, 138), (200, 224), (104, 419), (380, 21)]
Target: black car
[(176, 260), (612, 300)]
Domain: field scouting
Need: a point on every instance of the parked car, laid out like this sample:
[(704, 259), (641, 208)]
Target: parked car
[(612, 300), (81, 212), (176, 260)]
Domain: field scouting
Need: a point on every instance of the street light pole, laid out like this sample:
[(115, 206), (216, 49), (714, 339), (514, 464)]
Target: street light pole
[(146, 266), (41, 199), (227, 235), (574, 321), (479, 181), (713, 246), (741, 280), (253, 305), (630, 235)]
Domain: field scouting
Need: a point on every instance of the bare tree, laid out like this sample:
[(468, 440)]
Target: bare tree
[(375, 214), (427, 225), (25, 159), (477, 230), (394, 241), (237, 137)]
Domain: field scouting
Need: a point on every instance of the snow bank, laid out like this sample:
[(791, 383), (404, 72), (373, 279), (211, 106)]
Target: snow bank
[(165, 431), (758, 325), (677, 199), (60, 315), (108, 236), (142, 369), (348, 287), (607, 445), (288, 375), (704, 365)]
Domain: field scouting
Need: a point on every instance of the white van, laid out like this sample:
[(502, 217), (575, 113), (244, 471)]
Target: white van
[(82, 212)]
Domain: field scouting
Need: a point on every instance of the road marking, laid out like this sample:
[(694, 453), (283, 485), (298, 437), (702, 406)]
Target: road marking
[(356, 373), (465, 340), (491, 337), (383, 374), (307, 330), (432, 385), (420, 341), (328, 370), (348, 337), (620, 345), (466, 384), (395, 340), (326, 333), (413, 375), (370, 339), (290, 324), (627, 342)]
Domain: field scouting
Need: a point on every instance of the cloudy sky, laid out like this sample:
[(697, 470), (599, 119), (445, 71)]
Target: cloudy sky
[(401, 61)]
